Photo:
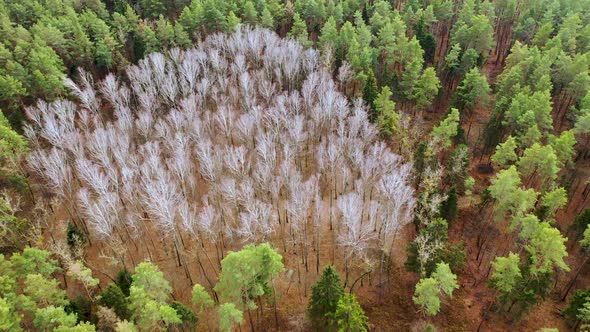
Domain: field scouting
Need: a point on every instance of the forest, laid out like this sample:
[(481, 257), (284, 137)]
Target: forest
[(294, 165)]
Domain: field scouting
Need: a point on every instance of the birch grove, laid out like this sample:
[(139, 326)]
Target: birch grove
[(244, 138)]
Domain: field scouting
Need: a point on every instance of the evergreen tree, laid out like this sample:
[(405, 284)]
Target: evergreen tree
[(426, 89), (449, 208), (428, 289), (229, 316), (113, 298), (329, 36), (266, 19), (540, 162), (325, 295), (152, 8), (505, 152), (246, 275), (370, 95), (426, 295), (349, 315), (249, 13), (201, 298), (446, 129), (147, 300), (388, 119), (576, 305), (581, 222), (299, 31), (231, 22), (563, 146), (187, 316), (506, 275)]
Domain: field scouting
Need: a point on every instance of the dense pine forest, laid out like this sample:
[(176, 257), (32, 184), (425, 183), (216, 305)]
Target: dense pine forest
[(298, 165)]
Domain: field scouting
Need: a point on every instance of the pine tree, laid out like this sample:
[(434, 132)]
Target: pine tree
[(449, 208), (148, 295), (325, 295), (447, 280), (229, 316), (152, 8), (231, 21), (388, 119), (113, 298), (446, 129), (370, 95), (266, 19), (249, 13), (349, 315), (539, 162), (201, 298), (576, 305), (581, 222), (506, 275), (187, 316), (248, 271), (426, 89), (426, 296), (299, 31), (428, 290), (505, 152), (329, 36)]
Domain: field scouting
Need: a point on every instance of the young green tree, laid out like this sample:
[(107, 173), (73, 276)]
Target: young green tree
[(299, 31), (113, 298), (46, 71), (546, 247), (370, 95), (246, 275), (539, 162), (474, 89), (505, 152), (447, 281), (231, 22), (29, 291), (446, 129), (553, 200), (563, 145), (428, 290), (388, 119), (201, 298), (528, 109), (188, 318), (325, 295), (229, 316), (152, 8), (426, 89), (506, 275), (349, 315), (329, 36), (249, 13), (576, 307), (147, 300), (149, 39), (52, 318), (266, 19), (213, 17), (191, 18), (449, 207), (426, 296), (9, 318)]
